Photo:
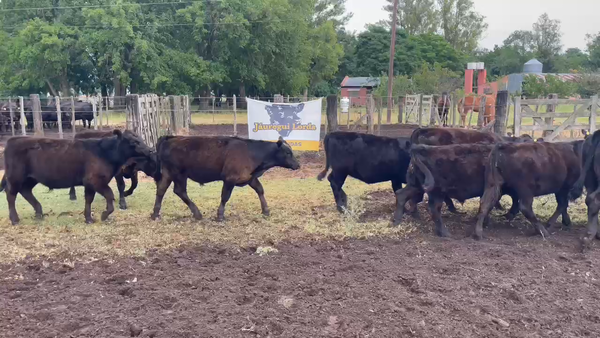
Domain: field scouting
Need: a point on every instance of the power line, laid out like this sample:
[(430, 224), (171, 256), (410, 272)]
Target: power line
[(104, 6), (237, 23)]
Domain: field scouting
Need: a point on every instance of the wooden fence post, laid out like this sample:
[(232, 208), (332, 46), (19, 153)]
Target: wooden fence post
[(235, 114), (517, 123), (482, 112), (420, 111), (454, 110), (332, 112), (593, 111), (100, 115), (23, 119), (401, 109), (59, 117), (370, 108), (379, 116), (95, 111), (12, 116), (38, 127), (550, 108), (501, 112), (73, 116)]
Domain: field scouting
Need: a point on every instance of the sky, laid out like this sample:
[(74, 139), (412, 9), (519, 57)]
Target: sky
[(578, 17)]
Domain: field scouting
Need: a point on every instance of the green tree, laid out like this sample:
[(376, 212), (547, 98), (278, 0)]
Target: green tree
[(461, 25), (414, 16), (534, 86), (573, 60), (593, 48)]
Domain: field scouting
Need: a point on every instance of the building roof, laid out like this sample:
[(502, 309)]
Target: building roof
[(361, 82), (567, 77)]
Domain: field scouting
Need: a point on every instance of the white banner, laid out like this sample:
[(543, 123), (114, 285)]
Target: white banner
[(298, 123)]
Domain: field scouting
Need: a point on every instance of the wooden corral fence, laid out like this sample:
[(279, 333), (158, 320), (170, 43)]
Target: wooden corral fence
[(152, 116), (545, 121)]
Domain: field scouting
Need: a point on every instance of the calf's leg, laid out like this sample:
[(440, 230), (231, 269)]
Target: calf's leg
[(435, 208), (90, 193), (490, 197), (11, 197), (72, 194), (180, 190), (161, 189), (225, 195), (526, 207), (402, 195), (562, 200), (257, 186), (134, 183), (593, 203), (108, 195), (27, 193), (336, 180), (121, 188)]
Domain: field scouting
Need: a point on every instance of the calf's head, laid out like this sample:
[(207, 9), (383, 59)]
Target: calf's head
[(284, 114), (284, 157), (131, 145)]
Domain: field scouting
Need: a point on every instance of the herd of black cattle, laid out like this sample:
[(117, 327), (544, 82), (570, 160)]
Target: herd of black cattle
[(445, 163), (84, 112)]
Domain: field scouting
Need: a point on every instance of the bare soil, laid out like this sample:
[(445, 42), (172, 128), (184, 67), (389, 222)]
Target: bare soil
[(418, 287)]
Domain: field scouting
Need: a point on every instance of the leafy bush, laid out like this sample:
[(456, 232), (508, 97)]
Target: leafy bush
[(589, 85), (534, 86)]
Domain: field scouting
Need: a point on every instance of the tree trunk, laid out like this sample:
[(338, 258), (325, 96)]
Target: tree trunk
[(305, 98), (119, 95), (205, 103), (65, 89), (51, 88), (242, 103)]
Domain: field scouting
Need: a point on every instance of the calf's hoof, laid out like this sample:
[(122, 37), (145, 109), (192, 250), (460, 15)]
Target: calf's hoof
[(220, 219), (123, 205), (105, 215), (266, 213), (90, 221), (73, 198), (15, 222), (154, 217), (444, 233), (39, 217)]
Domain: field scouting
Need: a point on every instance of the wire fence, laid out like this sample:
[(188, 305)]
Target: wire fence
[(228, 115)]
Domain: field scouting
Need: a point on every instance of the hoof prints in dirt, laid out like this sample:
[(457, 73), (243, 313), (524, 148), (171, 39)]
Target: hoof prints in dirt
[(423, 287)]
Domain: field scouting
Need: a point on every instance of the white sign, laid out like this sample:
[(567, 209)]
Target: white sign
[(298, 123)]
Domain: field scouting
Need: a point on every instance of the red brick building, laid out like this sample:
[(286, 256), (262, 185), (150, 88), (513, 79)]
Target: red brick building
[(357, 88)]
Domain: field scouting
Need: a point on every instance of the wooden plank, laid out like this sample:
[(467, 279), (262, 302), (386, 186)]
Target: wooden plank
[(482, 111), (59, 117), (95, 111), (235, 114), (73, 130), (538, 102), (540, 128), (517, 122), (571, 120), (553, 115), (23, 119), (12, 116), (370, 108), (38, 128), (593, 111), (501, 112), (100, 115)]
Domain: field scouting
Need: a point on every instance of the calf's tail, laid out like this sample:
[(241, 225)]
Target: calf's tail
[(3, 183), (577, 189), (493, 178), (429, 183), (322, 174)]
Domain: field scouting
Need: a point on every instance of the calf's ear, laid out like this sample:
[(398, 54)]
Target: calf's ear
[(118, 133), (280, 141)]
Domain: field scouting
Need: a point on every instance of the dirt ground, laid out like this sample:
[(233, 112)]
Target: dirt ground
[(507, 285), (418, 287)]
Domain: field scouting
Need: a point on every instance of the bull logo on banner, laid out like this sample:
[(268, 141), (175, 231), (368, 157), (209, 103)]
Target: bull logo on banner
[(285, 115), (299, 124)]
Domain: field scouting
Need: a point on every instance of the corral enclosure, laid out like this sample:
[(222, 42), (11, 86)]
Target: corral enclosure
[(305, 271)]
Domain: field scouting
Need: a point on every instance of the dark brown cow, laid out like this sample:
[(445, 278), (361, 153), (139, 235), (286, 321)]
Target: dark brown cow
[(452, 171), (235, 161), (530, 169), (590, 178), (449, 136), (60, 164), (129, 170)]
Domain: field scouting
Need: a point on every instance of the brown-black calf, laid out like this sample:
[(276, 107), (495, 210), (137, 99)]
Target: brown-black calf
[(531, 170), (590, 178), (60, 164), (369, 158), (235, 161), (452, 171), (129, 170)]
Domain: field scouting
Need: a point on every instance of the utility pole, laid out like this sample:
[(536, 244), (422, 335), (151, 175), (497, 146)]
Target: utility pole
[(391, 70)]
